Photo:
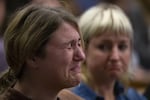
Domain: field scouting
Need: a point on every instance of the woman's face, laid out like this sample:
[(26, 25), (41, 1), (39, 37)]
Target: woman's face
[(61, 65), (108, 55)]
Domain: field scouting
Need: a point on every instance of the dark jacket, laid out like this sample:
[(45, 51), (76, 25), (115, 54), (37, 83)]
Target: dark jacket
[(12, 94)]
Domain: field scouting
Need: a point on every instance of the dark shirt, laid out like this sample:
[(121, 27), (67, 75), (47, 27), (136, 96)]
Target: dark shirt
[(12, 94), (88, 94)]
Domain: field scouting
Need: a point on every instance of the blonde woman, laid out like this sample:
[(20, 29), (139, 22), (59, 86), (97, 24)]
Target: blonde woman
[(108, 37)]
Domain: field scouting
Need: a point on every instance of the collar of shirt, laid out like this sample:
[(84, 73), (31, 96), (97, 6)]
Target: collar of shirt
[(86, 92)]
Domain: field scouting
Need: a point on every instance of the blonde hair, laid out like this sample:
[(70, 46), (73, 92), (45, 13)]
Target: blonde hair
[(100, 19), (103, 18)]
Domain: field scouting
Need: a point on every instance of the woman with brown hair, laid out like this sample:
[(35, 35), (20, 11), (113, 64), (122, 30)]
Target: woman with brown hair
[(44, 51)]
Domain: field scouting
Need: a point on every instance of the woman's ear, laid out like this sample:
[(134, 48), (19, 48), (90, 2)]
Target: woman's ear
[(32, 62)]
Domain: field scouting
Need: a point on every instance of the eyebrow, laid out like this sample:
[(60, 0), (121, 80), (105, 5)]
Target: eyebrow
[(73, 40)]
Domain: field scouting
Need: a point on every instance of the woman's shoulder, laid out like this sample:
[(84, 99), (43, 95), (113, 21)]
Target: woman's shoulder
[(132, 94), (12, 94), (66, 94)]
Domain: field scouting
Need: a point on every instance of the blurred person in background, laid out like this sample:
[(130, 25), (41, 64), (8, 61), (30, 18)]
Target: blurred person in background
[(3, 63), (83, 5), (141, 46), (108, 36), (51, 3), (141, 35), (69, 5), (7, 8), (139, 73), (146, 9)]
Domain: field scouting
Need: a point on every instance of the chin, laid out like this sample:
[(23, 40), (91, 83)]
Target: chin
[(115, 76), (77, 79), (74, 80), (70, 84), (75, 83)]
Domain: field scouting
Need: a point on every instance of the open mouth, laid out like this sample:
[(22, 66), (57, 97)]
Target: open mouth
[(76, 69)]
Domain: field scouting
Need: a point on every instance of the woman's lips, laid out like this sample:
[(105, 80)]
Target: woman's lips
[(76, 69)]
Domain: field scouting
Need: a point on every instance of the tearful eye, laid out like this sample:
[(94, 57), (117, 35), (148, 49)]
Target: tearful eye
[(72, 44), (69, 45)]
